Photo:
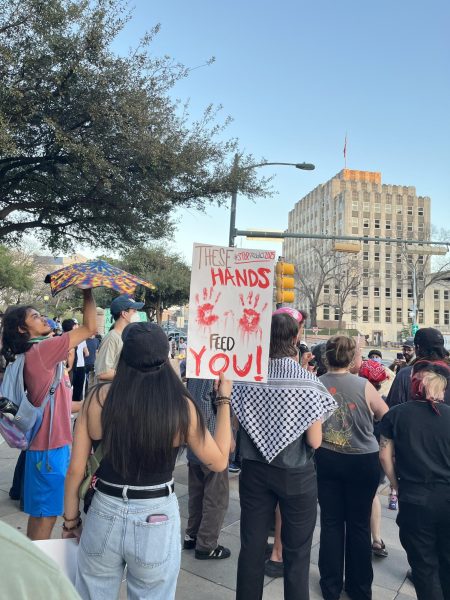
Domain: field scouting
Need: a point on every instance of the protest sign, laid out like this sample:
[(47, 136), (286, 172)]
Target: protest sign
[(230, 310)]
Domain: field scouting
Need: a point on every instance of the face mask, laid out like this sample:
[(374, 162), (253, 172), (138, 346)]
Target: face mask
[(135, 318), (376, 359)]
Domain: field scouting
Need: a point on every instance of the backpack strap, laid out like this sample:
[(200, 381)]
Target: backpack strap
[(51, 395)]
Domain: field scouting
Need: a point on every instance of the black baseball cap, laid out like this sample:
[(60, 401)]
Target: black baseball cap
[(145, 346), (429, 338), (375, 353), (124, 302)]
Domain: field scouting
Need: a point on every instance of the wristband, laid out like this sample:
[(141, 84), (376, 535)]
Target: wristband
[(223, 398), (76, 526), (74, 519)]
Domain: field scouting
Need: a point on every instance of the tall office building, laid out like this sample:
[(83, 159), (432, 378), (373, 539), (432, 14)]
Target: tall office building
[(371, 290)]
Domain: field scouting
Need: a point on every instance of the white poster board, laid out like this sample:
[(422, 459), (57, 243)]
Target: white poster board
[(63, 553), (230, 310)]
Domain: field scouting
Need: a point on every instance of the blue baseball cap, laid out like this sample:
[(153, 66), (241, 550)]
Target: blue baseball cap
[(124, 302)]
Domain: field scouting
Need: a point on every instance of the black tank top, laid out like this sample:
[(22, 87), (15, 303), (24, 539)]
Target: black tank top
[(108, 474)]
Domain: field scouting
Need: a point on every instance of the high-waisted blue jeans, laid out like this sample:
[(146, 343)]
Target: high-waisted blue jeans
[(115, 534)]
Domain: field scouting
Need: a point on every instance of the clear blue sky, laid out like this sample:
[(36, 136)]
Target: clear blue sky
[(296, 76)]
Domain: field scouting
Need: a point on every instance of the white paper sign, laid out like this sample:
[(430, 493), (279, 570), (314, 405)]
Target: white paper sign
[(64, 554), (230, 310)]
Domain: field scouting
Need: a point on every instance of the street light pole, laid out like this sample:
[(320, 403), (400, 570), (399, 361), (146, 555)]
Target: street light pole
[(232, 236)]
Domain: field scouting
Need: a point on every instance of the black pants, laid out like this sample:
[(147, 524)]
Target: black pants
[(79, 378), (261, 486), (347, 484), (424, 522)]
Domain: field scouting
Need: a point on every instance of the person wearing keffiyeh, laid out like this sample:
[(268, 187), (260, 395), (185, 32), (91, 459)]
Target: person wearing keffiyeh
[(417, 432), (280, 424)]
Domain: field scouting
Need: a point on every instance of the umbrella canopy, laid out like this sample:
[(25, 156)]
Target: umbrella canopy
[(94, 273)]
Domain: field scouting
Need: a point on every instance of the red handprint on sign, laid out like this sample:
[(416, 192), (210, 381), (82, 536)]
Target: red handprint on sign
[(206, 307), (249, 323)]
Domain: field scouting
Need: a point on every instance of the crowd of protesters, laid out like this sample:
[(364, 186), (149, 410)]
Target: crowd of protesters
[(317, 433)]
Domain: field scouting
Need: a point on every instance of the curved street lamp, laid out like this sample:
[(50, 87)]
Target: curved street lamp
[(304, 166)]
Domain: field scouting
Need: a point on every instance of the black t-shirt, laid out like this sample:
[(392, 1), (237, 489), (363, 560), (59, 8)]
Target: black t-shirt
[(421, 440)]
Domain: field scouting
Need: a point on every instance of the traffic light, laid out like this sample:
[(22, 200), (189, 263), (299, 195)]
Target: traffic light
[(285, 282)]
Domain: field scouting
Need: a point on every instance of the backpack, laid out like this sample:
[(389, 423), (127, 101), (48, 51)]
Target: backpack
[(21, 421)]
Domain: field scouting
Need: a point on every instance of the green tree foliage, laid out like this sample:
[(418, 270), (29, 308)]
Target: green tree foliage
[(93, 149), (166, 270), (15, 275)]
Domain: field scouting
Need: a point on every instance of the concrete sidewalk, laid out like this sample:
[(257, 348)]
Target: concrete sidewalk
[(203, 580)]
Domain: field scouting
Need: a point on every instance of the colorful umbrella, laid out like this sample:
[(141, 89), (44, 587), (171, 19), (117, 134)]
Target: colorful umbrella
[(94, 273)]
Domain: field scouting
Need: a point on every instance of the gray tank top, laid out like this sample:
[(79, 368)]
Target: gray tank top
[(349, 430)]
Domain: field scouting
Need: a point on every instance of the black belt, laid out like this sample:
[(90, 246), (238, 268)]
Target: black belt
[(126, 492)]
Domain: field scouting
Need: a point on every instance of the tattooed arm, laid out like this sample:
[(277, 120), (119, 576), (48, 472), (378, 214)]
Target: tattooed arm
[(387, 460)]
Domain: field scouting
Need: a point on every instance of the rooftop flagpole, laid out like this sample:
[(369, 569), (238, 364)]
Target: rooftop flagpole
[(345, 151)]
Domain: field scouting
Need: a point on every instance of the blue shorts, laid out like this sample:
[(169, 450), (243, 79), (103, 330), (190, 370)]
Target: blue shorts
[(45, 473)]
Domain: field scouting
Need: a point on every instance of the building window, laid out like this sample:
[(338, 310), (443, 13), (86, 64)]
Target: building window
[(376, 257), (399, 258), (420, 211), (366, 223), (366, 255), (410, 210), (365, 315), (410, 294), (436, 317), (387, 292), (399, 292), (388, 257), (446, 317), (399, 209), (366, 206), (399, 226), (376, 314), (420, 259), (376, 242), (387, 224), (420, 227), (377, 207), (354, 313), (326, 288), (446, 295), (420, 315), (355, 222), (436, 294), (376, 292), (410, 226), (365, 291), (377, 223), (354, 292), (399, 199), (336, 290), (388, 273), (336, 313), (365, 271), (355, 205), (387, 315), (326, 312), (388, 209), (399, 315)]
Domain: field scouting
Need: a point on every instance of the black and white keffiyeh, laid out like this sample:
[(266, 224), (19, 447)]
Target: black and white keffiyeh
[(276, 413)]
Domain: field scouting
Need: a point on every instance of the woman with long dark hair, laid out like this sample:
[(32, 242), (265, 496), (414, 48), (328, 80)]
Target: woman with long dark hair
[(347, 476), (141, 420), (280, 425)]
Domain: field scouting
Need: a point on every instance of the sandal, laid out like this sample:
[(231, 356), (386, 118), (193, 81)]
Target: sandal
[(379, 549)]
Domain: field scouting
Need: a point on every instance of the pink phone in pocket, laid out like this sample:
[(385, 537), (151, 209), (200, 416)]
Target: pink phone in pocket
[(157, 518)]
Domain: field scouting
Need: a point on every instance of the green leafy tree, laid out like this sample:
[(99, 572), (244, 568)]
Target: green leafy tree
[(167, 271), (15, 275), (93, 149)]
